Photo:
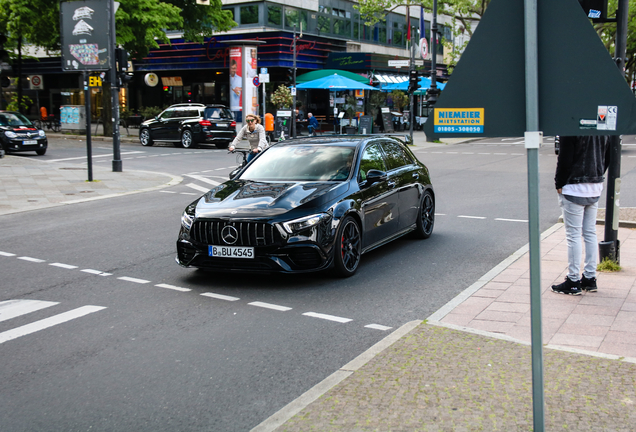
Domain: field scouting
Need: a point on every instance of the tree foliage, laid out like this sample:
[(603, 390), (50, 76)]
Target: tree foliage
[(140, 23)]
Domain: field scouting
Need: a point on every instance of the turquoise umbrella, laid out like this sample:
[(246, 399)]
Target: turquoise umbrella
[(334, 82)]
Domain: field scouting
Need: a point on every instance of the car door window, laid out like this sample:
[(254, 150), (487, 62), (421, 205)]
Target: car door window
[(371, 159), (167, 114), (396, 156)]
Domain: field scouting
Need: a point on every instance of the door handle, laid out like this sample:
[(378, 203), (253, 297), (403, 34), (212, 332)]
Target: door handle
[(391, 184), (416, 175)]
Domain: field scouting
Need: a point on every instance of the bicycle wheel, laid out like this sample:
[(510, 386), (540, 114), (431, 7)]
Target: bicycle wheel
[(38, 124), (56, 126)]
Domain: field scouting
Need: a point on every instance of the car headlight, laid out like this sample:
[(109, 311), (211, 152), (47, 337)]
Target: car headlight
[(42, 133), (187, 218), (10, 134), (304, 222)]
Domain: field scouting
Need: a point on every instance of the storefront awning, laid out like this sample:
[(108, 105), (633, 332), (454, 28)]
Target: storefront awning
[(314, 75)]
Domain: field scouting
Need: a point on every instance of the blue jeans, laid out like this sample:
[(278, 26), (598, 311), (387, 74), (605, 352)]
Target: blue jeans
[(311, 129), (580, 221), (250, 156)]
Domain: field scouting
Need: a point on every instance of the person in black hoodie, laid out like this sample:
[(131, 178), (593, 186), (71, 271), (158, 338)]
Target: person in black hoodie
[(579, 178)]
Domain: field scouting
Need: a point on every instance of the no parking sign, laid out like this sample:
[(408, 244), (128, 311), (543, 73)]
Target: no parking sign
[(35, 82)]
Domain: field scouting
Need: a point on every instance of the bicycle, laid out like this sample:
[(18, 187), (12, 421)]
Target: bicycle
[(51, 123), (241, 159)]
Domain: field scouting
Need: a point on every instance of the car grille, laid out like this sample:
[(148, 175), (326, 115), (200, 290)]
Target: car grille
[(249, 233)]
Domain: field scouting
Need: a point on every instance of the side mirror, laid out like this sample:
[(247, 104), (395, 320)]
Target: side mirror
[(374, 176), (234, 173)]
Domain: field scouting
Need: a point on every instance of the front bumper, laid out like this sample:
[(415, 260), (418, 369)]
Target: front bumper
[(18, 144)]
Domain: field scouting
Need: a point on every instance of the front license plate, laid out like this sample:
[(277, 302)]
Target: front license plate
[(231, 252), (27, 142)]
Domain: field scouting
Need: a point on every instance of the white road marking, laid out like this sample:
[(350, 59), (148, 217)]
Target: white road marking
[(220, 296), (440, 214), (7, 254), (14, 308), (172, 287), (93, 156), (47, 322), (165, 191), (35, 260), (96, 272), (511, 220), (187, 193), (471, 217), (205, 180), (197, 187), (134, 280), (66, 266), (378, 327), (327, 317), (484, 153), (270, 306), (219, 169)]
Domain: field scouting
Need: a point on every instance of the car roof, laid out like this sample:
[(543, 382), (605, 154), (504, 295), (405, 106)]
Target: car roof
[(186, 105), (216, 106), (341, 140)]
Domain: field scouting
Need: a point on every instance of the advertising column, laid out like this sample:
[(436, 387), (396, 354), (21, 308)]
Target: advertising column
[(236, 82), (250, 71)]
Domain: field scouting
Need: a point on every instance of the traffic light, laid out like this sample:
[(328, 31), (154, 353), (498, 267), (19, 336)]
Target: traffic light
[(290, 75), (122, 62), (414, 81)]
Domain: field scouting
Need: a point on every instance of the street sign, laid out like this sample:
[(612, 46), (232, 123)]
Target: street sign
[(293, 91), (264, 71), (85, 35), (399, 63), (423, 48), (256, 81), (35, 82)]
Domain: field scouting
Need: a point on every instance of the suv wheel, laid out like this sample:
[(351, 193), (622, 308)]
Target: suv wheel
[(144, 137), (187, 140)]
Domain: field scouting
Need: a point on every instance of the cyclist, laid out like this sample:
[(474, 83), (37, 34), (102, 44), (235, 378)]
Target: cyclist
[(255, 135)]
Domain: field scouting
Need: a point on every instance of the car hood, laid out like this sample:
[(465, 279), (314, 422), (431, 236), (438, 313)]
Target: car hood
[(255, 199), (17, 128)]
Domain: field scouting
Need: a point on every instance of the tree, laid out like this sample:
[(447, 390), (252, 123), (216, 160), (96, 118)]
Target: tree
[(607, 32), (282, 97)]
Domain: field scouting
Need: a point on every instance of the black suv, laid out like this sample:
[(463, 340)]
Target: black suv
[(189, 124)]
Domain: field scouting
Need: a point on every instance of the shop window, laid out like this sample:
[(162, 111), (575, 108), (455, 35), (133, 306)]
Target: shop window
[(381, 34), (323, 24), (397, 35), (356, 27), (294, 17), (274, 15), (249, 14), (324, 9), (342, 27)]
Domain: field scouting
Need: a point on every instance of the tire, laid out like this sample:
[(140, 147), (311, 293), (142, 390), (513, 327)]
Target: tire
[(187, 139), (222, 146), (348, 248), (426, 216), (40, 152), (144, 137)]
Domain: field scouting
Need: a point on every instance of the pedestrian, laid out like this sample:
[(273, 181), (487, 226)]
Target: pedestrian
[(581, 166), (255, 135), (313, 124)]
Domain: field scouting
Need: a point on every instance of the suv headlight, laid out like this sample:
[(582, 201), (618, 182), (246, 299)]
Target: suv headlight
[(303, 223), (42, 133), (10, 134)]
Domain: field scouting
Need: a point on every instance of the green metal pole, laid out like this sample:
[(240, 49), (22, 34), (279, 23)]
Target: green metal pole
[(533, 139)]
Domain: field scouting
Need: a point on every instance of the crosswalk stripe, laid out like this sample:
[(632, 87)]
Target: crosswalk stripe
[(35, 260), (7, 254), (327, 317), (197, 187), (47, 322), (65, 266), (135, 280), (205, 180), (172, 287), (14, 308)]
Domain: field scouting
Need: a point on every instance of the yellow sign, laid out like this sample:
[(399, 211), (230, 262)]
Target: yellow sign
[(459, 120), (94, 81)]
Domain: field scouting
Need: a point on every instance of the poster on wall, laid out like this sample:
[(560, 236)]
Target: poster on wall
[(250, 91), (236, 82), (85, 35)]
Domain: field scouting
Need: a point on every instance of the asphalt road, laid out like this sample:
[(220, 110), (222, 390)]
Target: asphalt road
[(171, 349)]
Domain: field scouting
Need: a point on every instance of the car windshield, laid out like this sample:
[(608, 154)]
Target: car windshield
[(14, 119), (301, 163), (218, 114)]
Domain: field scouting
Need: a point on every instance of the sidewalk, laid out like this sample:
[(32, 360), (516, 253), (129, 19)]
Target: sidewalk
[(27, 183)]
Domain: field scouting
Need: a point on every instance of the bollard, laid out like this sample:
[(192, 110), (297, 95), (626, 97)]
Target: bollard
[(609, 249)]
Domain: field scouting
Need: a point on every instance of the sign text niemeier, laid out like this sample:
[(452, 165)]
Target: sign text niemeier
[(459, 120)]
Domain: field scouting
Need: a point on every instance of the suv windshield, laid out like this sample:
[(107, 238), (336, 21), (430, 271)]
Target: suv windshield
[(14, 119), (218, 113), (302, 163)]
